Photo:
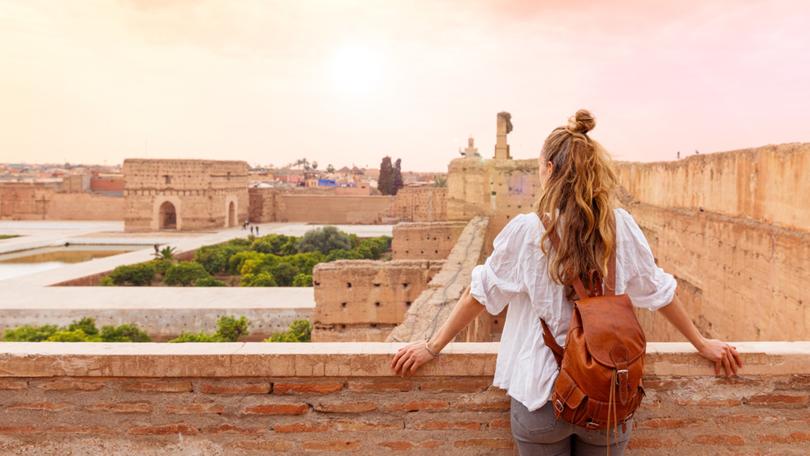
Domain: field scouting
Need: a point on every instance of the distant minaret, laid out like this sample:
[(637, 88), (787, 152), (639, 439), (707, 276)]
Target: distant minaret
[(503, 127), (471, 150)]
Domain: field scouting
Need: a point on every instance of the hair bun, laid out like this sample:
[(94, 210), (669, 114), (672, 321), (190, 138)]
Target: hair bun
[(581, 122)]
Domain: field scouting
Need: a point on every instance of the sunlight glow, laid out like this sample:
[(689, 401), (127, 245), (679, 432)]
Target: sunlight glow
[(356, 69)]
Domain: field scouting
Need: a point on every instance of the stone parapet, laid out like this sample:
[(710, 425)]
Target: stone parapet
[(294, 398)]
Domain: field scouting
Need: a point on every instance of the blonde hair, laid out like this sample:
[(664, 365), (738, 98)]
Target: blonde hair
[(581, 187)]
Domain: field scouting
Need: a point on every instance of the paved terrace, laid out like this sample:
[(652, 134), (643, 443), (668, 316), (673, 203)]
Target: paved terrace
[(323, 398)]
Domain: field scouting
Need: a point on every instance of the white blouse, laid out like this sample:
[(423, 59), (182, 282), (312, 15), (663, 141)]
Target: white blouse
[(516, 273)]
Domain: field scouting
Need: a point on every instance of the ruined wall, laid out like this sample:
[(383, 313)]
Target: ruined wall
[(730, 228), (421, 204), (761, 183), (499, 189), (739, 280), (425, 241), (200, 191), (291, 399), (22, 201), (272, 205), (433, 306), (364, 299)]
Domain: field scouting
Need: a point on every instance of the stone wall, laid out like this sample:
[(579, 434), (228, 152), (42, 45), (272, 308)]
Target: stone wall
[(732, 231), (200, 192), (433, 306), (362, 300), (739, 280), (499, 189), (25, 201), (259, 398), (760, 184), (427, 241), (421, 204), (272, 205)]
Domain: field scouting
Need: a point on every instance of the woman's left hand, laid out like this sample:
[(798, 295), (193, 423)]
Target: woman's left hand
[(410, 358)]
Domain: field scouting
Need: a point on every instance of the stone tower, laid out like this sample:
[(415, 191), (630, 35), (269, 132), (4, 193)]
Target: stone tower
[(503, 127)]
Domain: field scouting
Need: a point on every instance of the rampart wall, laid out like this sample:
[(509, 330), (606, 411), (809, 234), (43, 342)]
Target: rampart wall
[(24, 201), (272, 205)]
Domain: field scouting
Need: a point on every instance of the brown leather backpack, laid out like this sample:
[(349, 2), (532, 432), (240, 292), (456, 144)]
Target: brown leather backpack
[(599, 384)]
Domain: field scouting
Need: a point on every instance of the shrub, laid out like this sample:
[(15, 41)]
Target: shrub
[(29, 333), (185, 273), (197, 337), (139, 275), (124, 333), (304, 262), (166, 253), (232, 328), (209, 282), (162, 265), (284, 273), (302, 280), (262, 279), (237, 261), (277, 244), (324, 240), (216, 258), (76, 335), (229, 329), (299, 331), (86, 324), (344, 255)]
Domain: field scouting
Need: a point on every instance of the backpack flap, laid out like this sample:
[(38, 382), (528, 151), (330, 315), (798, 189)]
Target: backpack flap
[(613, 335)]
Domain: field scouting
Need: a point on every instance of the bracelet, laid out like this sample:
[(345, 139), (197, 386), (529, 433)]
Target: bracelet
[(432, 353)]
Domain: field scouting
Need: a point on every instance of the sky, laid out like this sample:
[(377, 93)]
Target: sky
[(347, 82)]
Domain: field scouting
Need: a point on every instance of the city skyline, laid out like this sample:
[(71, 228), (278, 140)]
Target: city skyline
[(343, 82)]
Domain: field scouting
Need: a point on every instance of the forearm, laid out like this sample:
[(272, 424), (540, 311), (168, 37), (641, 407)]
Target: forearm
[(465, 311), (676, 314)]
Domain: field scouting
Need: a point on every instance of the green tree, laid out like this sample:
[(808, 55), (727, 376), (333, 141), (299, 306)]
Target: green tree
[(185, 273), (324, 240), (397, 179), (385, 181)]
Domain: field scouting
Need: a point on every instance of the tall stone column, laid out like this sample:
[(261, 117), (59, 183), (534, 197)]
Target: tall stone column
[(503, 127)]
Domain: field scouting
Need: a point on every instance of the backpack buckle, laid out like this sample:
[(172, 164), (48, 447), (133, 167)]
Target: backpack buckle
[(619, 373), (592, 425), (558, 406)]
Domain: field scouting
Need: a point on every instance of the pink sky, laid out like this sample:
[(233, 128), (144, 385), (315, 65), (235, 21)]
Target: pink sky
[(346, 82)]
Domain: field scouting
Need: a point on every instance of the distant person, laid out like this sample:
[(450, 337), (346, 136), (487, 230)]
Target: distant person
[(538, 272), (257, 230), (679, 155)]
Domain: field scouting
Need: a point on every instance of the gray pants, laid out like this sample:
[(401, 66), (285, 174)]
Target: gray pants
[(540, 433)]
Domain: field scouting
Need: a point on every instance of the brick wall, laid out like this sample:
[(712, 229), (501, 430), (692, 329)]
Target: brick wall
[(260, 398), (362, 300)]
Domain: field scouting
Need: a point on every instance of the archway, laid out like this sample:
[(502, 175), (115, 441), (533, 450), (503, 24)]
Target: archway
[(168, 216), (231, 214)]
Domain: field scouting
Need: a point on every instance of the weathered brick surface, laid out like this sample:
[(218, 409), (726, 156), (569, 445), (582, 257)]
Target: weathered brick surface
[(367, 412)]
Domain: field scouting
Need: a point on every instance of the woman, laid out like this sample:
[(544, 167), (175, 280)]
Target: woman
[(523, 270)]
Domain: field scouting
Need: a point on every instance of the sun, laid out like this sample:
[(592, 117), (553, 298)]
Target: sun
[(356, 69)]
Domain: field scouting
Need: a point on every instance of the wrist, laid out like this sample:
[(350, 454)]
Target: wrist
[(700, 344), (434, 351)]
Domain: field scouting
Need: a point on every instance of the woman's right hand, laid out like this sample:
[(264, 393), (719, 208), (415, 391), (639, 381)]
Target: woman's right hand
[(722, 355)]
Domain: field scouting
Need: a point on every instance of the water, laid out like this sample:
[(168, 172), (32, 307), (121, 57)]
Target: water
[(26, 262)]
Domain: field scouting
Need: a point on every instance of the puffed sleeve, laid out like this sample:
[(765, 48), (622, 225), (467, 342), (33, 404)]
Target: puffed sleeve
[(498, 280), (648, 286)]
